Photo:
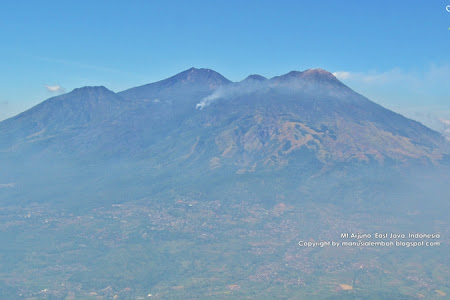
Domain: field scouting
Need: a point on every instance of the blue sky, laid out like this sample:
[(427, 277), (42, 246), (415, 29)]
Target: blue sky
[(395, 52)]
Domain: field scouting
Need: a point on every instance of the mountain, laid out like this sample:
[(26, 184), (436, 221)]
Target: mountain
[(299, 125), (79, 107), (63, 115), (258, 120)]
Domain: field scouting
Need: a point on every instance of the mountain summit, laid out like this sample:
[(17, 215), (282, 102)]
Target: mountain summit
[(199, 76), (189, 81), (254, 77), (312, 78)]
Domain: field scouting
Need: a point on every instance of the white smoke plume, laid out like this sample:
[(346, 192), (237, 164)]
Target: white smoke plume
[(231, 91)]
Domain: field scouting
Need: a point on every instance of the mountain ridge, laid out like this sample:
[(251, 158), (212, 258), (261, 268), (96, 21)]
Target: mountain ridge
[(310, 110)]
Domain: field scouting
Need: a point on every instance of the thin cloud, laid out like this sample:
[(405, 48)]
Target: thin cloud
[(54, 88), (396, 75), (81, 65), (445, 122), (390, 76), (342, 75)]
